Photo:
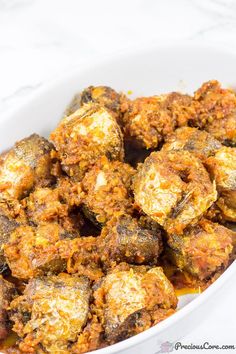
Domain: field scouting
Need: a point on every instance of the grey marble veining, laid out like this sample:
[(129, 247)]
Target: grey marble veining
[(40, 39)]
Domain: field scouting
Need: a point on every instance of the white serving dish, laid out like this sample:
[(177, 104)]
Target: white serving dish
[(153, 70)]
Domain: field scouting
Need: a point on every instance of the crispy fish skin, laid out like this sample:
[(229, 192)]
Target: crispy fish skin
[(27, 164), (7, 291), (127, 298), (51, 313), (124, 240), (203, 249), (86, 135), (107, 188), (174, 189)]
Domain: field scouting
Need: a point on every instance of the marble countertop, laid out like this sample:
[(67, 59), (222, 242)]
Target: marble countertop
[(42, 39)]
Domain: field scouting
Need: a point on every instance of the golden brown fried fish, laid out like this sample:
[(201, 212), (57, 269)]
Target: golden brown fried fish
[(128, 298), (26, 165), (203, 249), (216, 111), (173, 188), (124, 240), (106, 97), (7, 291), (51, 313), (107, 188), (33, 251), (86, 135)]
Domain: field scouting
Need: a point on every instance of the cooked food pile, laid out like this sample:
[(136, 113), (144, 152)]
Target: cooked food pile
[(128, 201)]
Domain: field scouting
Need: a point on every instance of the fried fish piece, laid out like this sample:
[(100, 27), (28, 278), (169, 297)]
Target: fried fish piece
[(146, 123), (82, 257), (7, 291), (222, 168), (86, 135), (106, 97), (199, 142), (26, 165), (69, 191), (219, 160), (124, 240), (107, 188), (2, 157), (216, 111), (173, 188), (33, 251), (224, 129), (228, 211), (51, 313), (127, 299), (46, 205), (180, 107), (203, 249)]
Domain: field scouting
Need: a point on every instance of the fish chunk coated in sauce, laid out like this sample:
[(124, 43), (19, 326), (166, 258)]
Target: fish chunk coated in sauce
[(222, 167), (33, 251), (46, 205), (51, 313), (219, 160), (124, 240), (216, 111), (148, 121), (107, 188), (26, 165), (86, 135), (128, 299), (106, 97), (203, 249), (198, 142), (174, 189), (7, 292)]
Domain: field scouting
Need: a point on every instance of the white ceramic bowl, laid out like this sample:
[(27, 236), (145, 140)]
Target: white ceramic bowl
[(160, 69)]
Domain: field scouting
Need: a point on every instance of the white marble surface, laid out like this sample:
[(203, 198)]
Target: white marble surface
[(41, 39)]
